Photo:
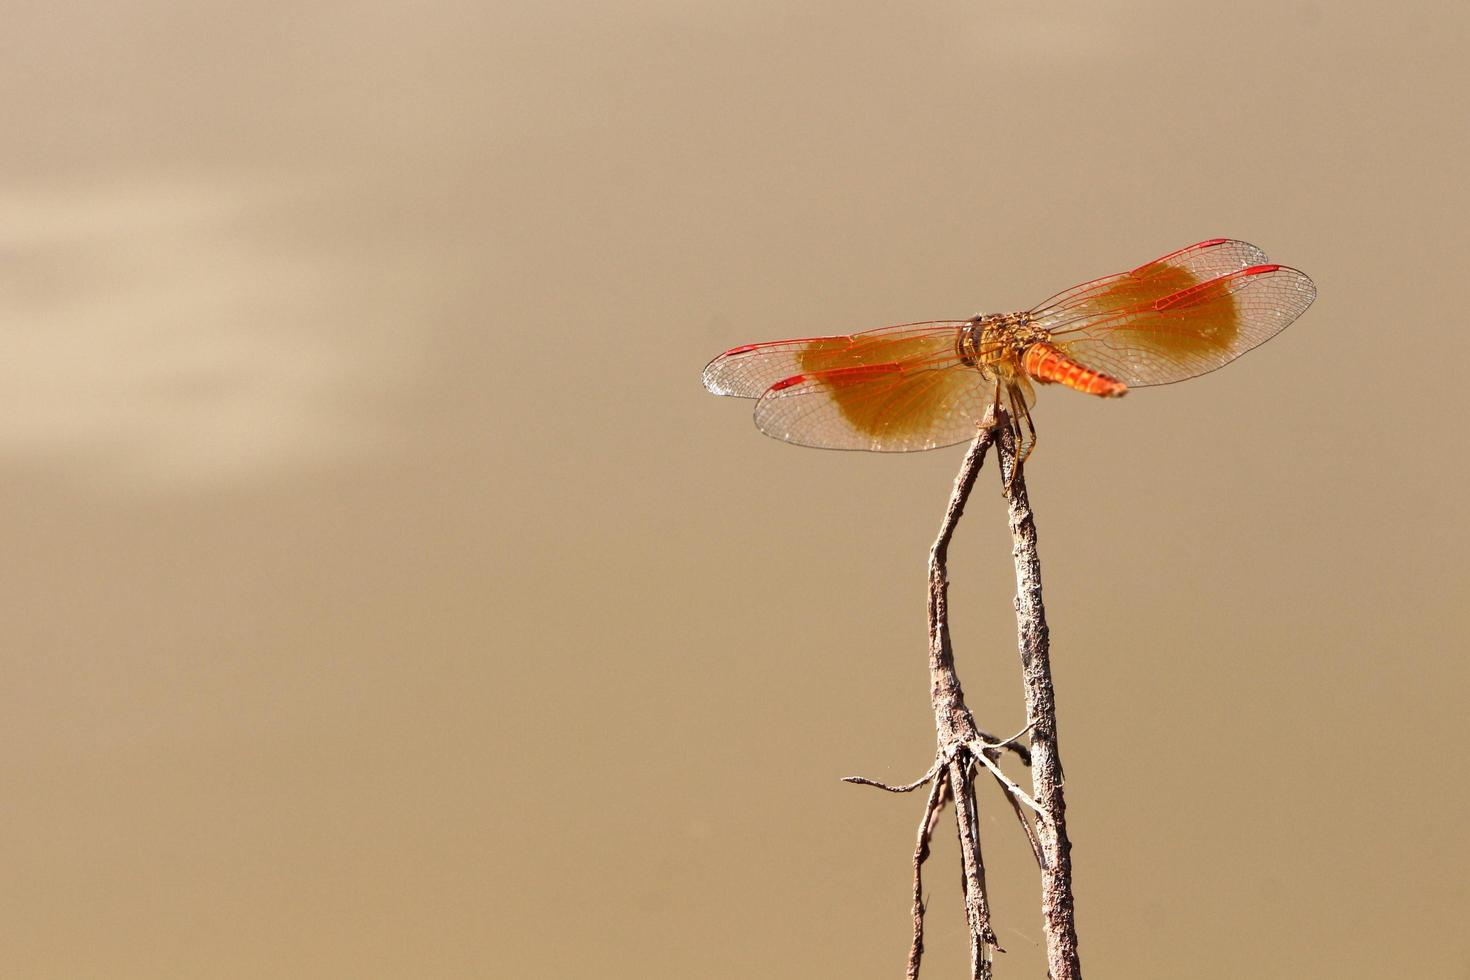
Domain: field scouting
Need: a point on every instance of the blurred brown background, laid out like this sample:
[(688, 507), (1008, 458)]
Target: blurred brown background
[(384, 597)]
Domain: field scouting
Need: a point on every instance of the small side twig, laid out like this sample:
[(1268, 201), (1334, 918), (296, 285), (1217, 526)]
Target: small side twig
[(989, 742), (923, 780), (1025, 823), (932, 809), (1005, 781)]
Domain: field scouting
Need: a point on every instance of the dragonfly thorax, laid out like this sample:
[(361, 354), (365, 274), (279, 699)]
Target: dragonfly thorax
[(998, 340)]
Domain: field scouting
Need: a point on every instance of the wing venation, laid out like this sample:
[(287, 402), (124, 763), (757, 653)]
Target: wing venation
[(746, 372), (1188, 332)]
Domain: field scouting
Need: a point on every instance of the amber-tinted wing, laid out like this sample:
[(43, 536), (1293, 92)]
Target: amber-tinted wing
[(746, 372), (1150, 281), (896, 389), (1177, 317)]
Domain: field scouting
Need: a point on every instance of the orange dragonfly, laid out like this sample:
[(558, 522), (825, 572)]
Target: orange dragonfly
[(924, 385)]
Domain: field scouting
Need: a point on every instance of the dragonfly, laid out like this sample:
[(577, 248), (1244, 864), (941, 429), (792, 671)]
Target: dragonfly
[(917, 386)]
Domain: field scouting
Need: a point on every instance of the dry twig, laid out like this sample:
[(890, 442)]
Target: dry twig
[(1041, 714), (964, 748)]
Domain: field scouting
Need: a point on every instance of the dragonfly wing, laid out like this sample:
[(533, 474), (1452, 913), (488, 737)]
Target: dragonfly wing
[(895, 407), (1151, 281), (1187, 332), (746, 372)]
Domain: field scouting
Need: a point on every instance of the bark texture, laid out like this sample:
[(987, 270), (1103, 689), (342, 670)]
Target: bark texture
[(964, 749)]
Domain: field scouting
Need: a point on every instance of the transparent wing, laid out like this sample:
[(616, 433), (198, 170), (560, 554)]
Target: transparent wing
[(746, 372), (1188, 332), (1149, 282), (902, 406)]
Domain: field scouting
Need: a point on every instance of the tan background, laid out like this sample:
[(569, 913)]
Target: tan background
[(383, 596)]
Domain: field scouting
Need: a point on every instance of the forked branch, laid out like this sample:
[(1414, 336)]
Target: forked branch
[(965, 750)]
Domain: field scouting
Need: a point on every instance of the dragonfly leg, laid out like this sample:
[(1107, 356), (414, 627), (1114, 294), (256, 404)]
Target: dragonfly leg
[(1024, 442), (1030, 428)]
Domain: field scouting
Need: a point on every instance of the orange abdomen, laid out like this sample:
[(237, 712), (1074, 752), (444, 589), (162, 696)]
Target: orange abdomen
[(1046, 364)]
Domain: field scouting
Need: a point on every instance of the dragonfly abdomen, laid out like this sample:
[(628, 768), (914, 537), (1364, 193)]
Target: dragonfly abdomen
[(1047, 364)]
